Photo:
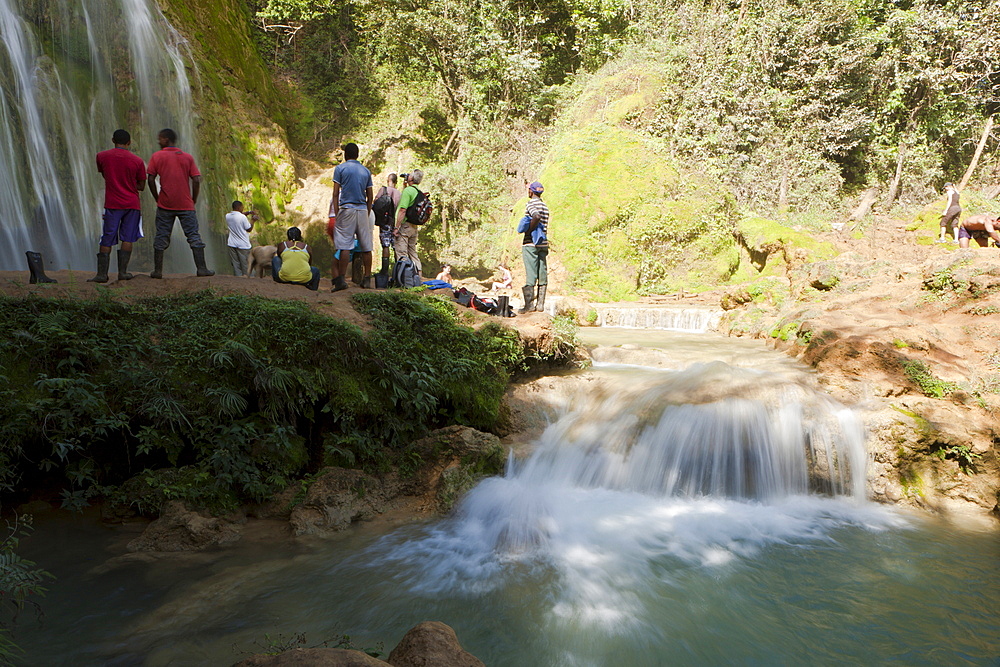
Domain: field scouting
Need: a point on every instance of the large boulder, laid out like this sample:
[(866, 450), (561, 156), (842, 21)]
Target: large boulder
[(338, 497), (313, 657), (182, 529), (455, 459), (432, 643)]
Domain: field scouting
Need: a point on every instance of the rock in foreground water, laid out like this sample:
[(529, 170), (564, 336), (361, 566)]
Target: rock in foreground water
[(430, 643)]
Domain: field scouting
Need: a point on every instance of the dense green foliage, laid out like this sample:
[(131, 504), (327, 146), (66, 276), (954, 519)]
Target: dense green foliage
[(223, 399)]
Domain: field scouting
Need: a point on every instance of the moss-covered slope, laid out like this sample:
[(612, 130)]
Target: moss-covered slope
[(627, 218)]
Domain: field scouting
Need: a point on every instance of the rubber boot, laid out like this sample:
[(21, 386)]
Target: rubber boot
[(36, 268), (529, 299), (157, 264), (540, 301), (123, 259), (199, 261), (103, 261)]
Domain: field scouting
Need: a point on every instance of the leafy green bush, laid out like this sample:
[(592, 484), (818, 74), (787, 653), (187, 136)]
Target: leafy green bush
[(239, 394)]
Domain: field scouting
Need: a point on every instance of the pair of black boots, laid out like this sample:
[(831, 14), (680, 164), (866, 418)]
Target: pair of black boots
[(104, 261), (531, 303)]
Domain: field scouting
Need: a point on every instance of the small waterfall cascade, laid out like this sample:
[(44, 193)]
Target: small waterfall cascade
[(695, 320), (710, 433), (71, 72)]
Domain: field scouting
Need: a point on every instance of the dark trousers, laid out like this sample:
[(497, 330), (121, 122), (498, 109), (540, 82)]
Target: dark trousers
[(165, 225)]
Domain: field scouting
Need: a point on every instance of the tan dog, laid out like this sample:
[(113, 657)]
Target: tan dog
[(260, 260)]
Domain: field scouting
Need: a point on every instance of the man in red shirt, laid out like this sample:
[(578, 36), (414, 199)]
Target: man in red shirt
[(179, 185), (124, 175)]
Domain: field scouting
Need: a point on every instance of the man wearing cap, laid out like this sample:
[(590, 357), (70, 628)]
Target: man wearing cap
[(535, 248), (124, 175), (979, 227), (351, 208)]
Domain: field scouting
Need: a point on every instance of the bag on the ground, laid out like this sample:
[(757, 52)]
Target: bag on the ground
[(405, 274), (486, 305), (384, 209), (464, 297), (419, 212)]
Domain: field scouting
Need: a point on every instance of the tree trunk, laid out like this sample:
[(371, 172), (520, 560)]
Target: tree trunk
[(894, 187), (979, 152), (866, 204)]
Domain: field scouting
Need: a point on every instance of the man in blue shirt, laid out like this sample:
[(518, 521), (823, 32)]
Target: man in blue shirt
[(352, 208)]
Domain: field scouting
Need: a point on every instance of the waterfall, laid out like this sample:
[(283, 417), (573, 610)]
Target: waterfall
[(711, 433), (71, 72), (696, 320)]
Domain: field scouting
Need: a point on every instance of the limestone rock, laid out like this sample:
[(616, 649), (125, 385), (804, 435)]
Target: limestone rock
[(338, 497), (313, 657), (456, 458), (461, 441), (735, 299), (181, 529), (823, 275), (431, 643)]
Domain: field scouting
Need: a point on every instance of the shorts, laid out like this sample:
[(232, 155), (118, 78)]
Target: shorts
[(354, 223), (977, 234), (121, 224), (385, 236), (950, 217)]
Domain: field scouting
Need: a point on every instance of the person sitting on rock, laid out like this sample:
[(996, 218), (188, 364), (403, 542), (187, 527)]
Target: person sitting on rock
[(980, 227), (506, 279), (293, 262)]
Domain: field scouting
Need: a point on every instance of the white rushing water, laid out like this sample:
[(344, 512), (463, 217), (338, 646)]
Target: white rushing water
[(71, 72), (644, 477)]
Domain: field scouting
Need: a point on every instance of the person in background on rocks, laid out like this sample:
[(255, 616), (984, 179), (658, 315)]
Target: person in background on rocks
[(176, 196), (405, 233), (982, 228), (124, 175), (952, 209), (352, 209), (385, 230), (535, 248), (239, 238), (445, 274), (293, 262), (505, 278)]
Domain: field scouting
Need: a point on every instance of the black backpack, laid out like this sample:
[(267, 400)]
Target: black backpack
[(384, 209), (419, 212)]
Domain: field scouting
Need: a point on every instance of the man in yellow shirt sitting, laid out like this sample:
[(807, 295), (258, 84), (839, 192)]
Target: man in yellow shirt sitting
[(293, 262)]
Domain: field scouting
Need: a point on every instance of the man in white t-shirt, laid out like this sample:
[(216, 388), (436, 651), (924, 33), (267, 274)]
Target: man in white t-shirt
[(239, 238)]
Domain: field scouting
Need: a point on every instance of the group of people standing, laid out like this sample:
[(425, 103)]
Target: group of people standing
[(352, 218), (174, 182)]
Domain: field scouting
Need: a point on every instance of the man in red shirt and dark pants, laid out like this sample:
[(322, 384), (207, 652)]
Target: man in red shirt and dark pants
[(124, 176), (179, 185)]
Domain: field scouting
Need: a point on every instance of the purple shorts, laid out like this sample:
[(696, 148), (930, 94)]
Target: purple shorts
[(121, 224), (977, 234)]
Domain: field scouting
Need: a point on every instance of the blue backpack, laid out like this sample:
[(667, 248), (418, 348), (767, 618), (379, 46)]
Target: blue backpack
[(405, 274)]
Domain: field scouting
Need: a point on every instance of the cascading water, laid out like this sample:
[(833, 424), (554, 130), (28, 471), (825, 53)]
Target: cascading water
[(71, 72)]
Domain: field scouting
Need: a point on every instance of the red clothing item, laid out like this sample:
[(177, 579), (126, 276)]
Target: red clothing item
[(122, 170), (174, 168)]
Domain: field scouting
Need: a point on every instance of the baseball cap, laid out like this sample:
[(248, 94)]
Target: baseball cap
[(536, 187)]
